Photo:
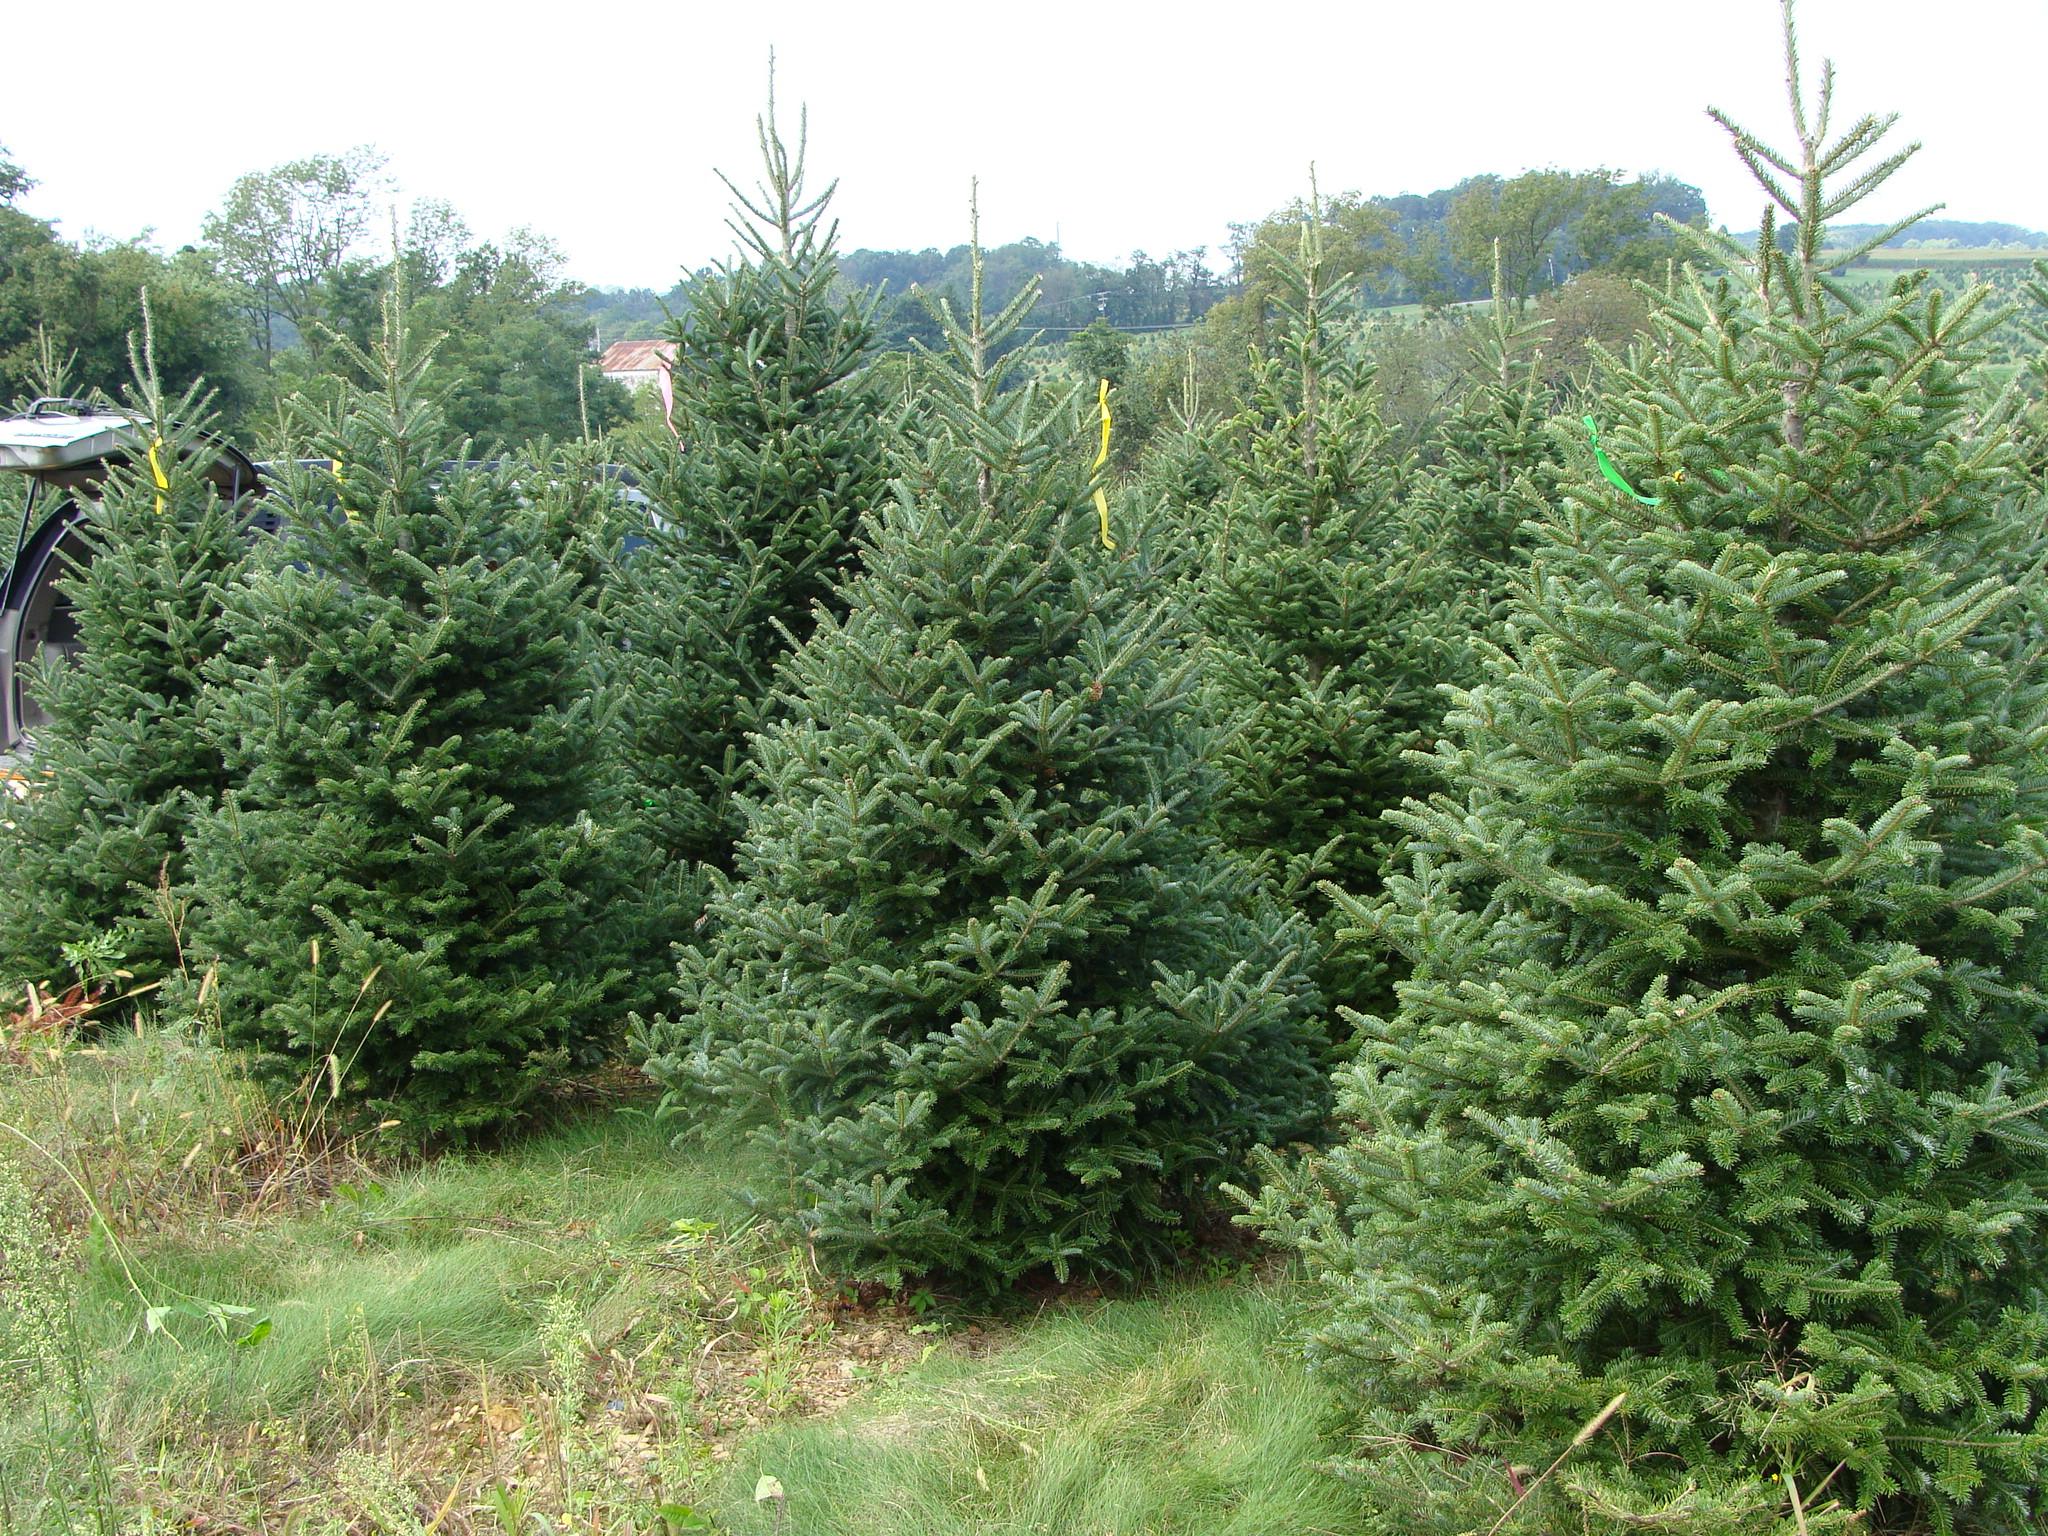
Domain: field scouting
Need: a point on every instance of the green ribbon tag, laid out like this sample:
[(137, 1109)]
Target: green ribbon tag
[(1614, 475)]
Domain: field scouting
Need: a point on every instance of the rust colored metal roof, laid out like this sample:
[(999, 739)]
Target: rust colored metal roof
[(635, 356)]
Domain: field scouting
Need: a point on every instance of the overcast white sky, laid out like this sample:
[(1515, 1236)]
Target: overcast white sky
[(1116, 124)]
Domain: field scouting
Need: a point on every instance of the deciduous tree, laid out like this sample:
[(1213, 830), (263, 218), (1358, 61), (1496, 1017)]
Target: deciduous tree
[(281, 235)]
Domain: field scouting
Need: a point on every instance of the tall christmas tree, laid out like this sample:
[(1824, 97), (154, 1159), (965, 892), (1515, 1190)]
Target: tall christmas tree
[(1326, 598), (778, 451), (401, 888), (986, 997), (1183, 470), (125, 754), (1704, 1154)]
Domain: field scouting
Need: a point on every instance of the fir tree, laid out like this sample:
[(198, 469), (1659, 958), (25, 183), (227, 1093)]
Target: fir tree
[(2033, 431), (584, 504), (1183, 471), (1495, 463), (1716, 1088), (400, 888), (985, 996), (753, 507), (1326, 601), (587, 512), (126, 755)]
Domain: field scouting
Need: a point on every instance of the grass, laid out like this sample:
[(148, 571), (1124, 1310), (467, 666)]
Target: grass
[(572, 1333), (394, 1300), (1184, 1412)]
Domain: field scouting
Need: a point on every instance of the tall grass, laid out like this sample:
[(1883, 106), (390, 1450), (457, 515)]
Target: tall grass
[(580, 1326), (445, 1268), (394, 1295)]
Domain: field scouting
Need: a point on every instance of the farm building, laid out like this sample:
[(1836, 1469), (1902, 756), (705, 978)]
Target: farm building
[(636, 363)]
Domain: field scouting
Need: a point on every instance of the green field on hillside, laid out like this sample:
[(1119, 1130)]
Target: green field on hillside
[(1950, 257)]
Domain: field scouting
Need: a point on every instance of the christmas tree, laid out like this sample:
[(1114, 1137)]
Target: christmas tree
[(401, 888), (1183, 471), (1702, 1161), (1495, 460), (125, 754), (1183, 474), (2033, 430), (1327, 601), (584, 506), (985, 996), (753, 505)]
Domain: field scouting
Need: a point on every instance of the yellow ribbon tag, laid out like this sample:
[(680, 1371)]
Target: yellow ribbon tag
[(341, 499), (1102, 458), (156, 472)]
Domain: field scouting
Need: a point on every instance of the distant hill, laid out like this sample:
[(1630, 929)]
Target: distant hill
[(1934, 233), (1960, 231), (1147, 293), (1152, 293), (628, 314)]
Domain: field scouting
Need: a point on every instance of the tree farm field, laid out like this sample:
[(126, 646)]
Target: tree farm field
[(1394, 886)]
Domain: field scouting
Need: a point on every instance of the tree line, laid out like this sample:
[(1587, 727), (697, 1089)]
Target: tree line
[(286, 269)]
